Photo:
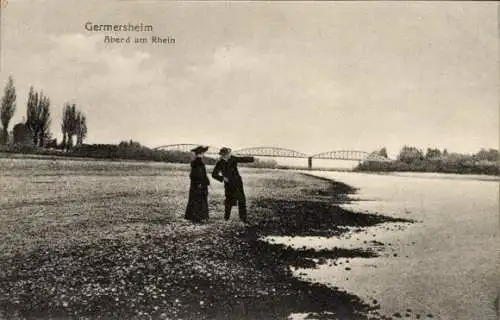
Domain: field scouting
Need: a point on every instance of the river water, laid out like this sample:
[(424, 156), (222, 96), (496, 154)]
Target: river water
[(444, 265)]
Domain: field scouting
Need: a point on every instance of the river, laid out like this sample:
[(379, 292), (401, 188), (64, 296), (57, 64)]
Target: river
[(444, 265)]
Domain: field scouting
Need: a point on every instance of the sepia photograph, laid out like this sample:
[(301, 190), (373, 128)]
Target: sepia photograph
[(249, 160)]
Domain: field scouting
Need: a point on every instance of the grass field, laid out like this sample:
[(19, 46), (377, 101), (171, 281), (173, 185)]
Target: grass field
[(100, 239)]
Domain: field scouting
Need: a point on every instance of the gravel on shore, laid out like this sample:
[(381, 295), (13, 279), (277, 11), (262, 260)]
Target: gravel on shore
[(176, 270)]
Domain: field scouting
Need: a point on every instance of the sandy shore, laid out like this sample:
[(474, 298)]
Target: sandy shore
[(97, 240), (101, 240)]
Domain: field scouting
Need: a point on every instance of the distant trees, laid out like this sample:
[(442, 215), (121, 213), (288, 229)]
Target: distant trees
[(38, 117), (7, 109), (432, 154), (81, 128), (487, 155), (68, 125), (259, 163), (486, 161), (132, 150), (74, 123), (378, 153), (35, 130), (410, 154), (383, 152)]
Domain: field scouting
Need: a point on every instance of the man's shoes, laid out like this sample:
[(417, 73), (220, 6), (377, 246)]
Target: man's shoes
[(242, 224)]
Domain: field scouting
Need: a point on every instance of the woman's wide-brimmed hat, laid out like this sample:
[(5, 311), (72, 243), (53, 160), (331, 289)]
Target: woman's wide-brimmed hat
[(224, 151), (199, 149)]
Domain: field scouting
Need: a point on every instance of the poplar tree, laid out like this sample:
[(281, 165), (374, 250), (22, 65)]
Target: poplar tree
[(8, 107), (74, 123), (38, 116), (81, 128)]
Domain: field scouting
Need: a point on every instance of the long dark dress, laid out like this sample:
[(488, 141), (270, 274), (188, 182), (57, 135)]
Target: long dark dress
[(197, 207)]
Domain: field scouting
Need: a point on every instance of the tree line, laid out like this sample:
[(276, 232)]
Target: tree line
[(410, 158), (34, 131), (409, 154)]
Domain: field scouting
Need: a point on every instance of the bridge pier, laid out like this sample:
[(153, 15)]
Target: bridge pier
[(309, 163)]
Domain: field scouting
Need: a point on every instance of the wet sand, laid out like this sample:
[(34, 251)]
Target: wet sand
[(443, 266)]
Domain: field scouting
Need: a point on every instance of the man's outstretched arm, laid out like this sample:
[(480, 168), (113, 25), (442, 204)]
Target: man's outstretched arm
[(244, 159)]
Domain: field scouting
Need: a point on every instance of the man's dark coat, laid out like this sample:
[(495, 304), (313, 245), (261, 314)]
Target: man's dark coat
[(234, 186)]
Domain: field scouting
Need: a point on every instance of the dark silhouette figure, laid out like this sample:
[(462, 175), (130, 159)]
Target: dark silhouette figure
[(197, 207), (226, 170)]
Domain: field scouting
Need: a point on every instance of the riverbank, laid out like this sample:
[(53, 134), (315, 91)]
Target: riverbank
[(131, 151), (184, 158), (445, 265), (464, 165), (110, 242)]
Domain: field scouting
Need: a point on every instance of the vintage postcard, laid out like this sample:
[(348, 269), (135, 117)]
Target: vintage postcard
[(249, 159)]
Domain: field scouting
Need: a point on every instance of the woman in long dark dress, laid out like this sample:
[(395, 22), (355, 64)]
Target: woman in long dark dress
[(197, 207)]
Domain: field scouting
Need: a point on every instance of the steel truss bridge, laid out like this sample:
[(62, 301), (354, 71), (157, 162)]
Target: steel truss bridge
[(275, 152)]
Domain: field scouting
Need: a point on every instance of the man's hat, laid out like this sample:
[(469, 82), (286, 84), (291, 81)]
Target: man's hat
[(223, 151), (199, 149)]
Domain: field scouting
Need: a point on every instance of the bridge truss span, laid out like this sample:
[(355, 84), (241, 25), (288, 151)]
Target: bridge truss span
[(342, 155), (276, 152), (354, 155), (270, 152)]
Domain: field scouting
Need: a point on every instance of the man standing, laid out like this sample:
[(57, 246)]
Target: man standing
[(226, 170)]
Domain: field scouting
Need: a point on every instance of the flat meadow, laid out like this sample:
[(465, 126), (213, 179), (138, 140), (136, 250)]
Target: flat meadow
[(92, 239)]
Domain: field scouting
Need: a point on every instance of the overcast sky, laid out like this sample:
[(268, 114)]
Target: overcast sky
[(311, 76)]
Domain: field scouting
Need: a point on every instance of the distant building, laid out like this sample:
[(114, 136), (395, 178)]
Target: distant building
[(22, 135), (4, 139)]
